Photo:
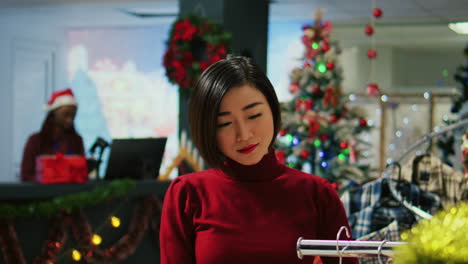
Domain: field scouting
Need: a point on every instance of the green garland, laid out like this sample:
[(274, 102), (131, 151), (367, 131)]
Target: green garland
[(68, 202)]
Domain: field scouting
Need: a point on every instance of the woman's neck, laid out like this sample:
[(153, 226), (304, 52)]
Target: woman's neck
[(57, 132), (267, 169)]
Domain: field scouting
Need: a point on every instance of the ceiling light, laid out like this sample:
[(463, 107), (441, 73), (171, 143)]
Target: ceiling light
[(459, 28)]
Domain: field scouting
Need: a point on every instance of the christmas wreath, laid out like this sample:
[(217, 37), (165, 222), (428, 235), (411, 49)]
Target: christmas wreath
[(194, 44)]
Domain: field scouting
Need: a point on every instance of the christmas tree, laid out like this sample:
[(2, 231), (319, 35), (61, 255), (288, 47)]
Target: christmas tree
[(320, 132)]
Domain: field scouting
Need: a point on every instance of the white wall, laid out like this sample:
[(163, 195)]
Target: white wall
[(357, 68), (29, 52)]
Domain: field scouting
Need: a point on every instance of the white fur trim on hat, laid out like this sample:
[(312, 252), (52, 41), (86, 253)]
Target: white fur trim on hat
[(61, 101)]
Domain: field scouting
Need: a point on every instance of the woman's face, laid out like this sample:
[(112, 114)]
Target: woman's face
[(245, 125), (64, 116)]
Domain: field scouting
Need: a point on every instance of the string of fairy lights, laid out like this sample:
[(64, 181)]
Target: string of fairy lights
[(96, 239)]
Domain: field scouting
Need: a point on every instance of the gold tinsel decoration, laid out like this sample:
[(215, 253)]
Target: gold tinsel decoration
[(442, 239)]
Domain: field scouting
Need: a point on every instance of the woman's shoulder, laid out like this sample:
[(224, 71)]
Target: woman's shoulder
[(193, 182), (196, 178), (307, 180), (303, 176), (34, 137), (312, 183)]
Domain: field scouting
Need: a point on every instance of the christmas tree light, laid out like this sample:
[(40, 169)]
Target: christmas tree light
[(115, 221), (76, 255), (96, 239)]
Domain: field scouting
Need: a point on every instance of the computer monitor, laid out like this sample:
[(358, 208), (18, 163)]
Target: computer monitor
[(135, 158)]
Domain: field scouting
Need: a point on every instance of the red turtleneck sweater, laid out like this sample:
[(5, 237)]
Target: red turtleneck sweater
[(255, 216)]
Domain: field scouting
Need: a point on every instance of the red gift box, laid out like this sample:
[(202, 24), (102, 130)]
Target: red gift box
[(61, 169)]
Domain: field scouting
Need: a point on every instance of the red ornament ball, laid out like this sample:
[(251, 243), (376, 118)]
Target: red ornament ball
[(304, 154), (344, 145), (377, 12), (369, 30), (325, 47), (330, 65), (333, 119), (363, 122), (371, 53), (465, 151), (373, 89), (323, 137), (317, 89), (280, 155), (293, 88), (282, 132)]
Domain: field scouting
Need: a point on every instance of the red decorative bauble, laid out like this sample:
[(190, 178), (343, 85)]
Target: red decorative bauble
[(282, 132), (304, 154), (330, 65), (293, 88), (323, 137), (344, 145), (369, 30), (280, 156), (373, 89), (377, 12), (333, 119), (371, 53), (306, 64), (465, 151), (325, 47), (363, 122), (316, 89)]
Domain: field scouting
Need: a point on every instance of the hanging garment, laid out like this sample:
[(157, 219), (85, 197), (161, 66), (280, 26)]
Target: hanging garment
[(389, 233), (370, 208), (432, 175)]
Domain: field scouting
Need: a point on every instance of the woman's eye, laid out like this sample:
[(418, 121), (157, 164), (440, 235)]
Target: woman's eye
[(224, 124), (255, 116)]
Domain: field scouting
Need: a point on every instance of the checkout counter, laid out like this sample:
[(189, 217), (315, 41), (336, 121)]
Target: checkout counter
[(32, 232)]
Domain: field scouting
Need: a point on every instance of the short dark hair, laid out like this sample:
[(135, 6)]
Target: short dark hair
[(206, 97)]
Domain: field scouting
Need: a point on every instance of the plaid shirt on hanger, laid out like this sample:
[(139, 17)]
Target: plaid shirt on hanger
[(389, 233), (368, 211), (432, 175)]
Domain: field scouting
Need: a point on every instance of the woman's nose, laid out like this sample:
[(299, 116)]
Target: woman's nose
[(243, 132)]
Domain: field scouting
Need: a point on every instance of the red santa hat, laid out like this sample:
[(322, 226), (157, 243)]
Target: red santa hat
[(61, 98)]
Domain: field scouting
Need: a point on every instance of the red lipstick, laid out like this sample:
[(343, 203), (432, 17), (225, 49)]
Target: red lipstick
[(248, 149)]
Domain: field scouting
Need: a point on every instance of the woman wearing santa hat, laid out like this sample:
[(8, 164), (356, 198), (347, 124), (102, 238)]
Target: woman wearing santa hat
[(57, 133)]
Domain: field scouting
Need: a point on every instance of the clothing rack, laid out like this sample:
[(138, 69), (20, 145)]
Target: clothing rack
[(430, 136), (345, 248)]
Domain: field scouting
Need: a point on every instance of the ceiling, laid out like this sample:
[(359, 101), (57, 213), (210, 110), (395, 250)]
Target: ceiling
[(412, 21), (342, 12)]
